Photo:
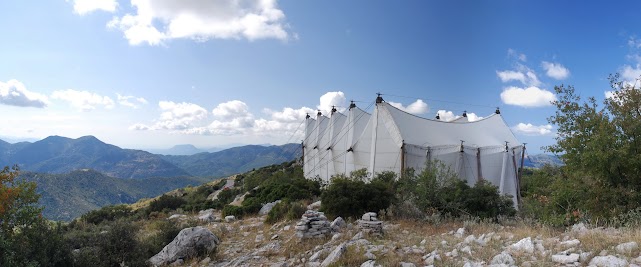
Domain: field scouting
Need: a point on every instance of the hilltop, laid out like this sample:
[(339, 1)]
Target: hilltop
[(57, 154)]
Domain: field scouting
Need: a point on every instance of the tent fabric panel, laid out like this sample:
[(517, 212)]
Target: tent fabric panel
[(420, 131)]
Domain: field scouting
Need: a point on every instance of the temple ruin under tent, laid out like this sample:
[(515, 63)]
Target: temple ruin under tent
[(390, 139)]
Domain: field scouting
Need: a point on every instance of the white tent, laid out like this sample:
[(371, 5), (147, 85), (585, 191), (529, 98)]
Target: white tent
[(392, 140)]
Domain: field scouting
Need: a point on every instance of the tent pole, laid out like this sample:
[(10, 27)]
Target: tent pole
[(372, 159), (518, 181), (516, 177), (478, 164), (402, 159)]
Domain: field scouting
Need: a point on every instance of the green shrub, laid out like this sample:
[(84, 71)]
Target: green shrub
[(236, 211), (108, 213), (348, 197), (285, 210), (438, 190), (164, 232), (165, 202)]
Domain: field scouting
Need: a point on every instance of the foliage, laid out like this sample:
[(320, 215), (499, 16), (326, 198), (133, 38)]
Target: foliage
[(601, 146), (108, 213), (352, 197), (26, 239), (285, 210), (166, 202), (437, 190)]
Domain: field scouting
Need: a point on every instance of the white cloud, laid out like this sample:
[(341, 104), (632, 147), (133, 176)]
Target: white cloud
[(231, 109), (510, 75), (83, 100), (159, 20), (130, 101), (630, 74), (555, 70), (330, 99), (529, 129), (523, 74), (83, 7), (179, 116), (418, 107), (139, 127), (473, 117), (446, 115), (14, 93), (513, 53), (527, 97)]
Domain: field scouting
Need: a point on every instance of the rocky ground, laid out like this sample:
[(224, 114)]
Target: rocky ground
[(251, 242)]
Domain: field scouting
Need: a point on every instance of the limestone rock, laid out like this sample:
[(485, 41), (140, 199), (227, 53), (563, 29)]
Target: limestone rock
[(370, 224), (608, 261), (312, 224), (187, 244), (627, 247), (338, 224), (230, 218), (334, 255), (267, 207), (565, 259), (370, 263), (314, 206), (524, 245), (503, 258)]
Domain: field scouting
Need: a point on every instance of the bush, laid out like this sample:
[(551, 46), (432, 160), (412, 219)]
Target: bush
[(165, 202), (163, 232), (108, 213), (437, 190), (285, 210), (348, 197), (236, 211)]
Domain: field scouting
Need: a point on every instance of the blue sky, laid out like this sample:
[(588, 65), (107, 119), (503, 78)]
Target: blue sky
[(153, 74)]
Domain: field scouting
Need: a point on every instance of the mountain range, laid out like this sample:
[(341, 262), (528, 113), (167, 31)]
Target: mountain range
[(56, 154)]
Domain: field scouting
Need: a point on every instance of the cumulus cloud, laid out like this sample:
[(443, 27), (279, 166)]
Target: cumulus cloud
[(159, 20), (330, 99), (529, 129), (446, 115), (555, 70), (14, 93), (83, 7), (418, 107), (527, 97), (130, 101), (231, 109), (83, 100)]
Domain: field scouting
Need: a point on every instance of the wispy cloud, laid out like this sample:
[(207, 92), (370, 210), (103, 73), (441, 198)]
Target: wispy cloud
[(555, 70), (130, 101), (83, 100)]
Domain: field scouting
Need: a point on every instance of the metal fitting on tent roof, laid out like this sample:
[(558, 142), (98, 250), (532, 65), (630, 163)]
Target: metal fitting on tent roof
[(333, 109), (465, 113), (379, 99), (497, 111), (438, 117), (319, 113), (352, 105), (307, 117)]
